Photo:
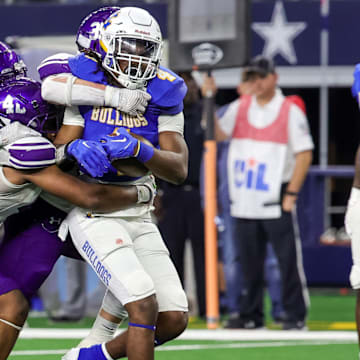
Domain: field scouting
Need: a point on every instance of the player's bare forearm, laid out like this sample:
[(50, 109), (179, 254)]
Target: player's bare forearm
[(89, 196), (170, 163), (68, 133), (303, 161)]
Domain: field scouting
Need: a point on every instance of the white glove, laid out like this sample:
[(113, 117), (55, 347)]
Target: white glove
[(131, 102)]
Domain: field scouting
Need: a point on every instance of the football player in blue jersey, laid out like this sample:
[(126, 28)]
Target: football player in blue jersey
[(127, 243), (28, 252), (352, 215)]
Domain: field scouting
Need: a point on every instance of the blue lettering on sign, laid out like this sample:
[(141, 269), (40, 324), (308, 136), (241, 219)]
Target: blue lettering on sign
[(250, 174)]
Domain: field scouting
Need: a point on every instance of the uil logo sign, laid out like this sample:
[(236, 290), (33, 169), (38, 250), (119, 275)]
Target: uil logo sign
[(250, 174)]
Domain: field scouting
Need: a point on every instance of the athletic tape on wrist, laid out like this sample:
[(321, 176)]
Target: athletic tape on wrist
[(108, 95), (143, 193), (60, 154)]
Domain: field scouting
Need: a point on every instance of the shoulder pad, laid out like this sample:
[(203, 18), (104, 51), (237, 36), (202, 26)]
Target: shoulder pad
[(86, 68), (53, 65), (31, 152), (167, 89)]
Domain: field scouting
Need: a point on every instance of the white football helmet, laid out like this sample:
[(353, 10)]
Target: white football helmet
[(131, 46)]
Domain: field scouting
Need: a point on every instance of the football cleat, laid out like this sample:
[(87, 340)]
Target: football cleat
[(94, 352)]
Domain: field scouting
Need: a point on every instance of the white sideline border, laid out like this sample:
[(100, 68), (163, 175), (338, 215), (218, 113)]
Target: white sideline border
[(220, 334)]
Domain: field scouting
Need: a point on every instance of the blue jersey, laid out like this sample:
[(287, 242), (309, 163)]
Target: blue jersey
[(167, 91)]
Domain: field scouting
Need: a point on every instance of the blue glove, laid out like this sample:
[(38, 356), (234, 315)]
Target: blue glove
[(90, 155), (120, 144), (355, 89)]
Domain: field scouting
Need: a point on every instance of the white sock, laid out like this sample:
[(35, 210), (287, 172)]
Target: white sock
[(102, 331)]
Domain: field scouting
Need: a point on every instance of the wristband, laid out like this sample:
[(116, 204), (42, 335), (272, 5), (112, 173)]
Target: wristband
[(144, 152), (291, 193), (62, 154), (143, 193)]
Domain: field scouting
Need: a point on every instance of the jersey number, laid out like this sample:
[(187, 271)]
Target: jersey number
[(164, 75), (8, 106)]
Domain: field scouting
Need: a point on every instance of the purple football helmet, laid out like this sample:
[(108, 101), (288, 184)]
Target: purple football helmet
[(21, 101), (87, 37), (11, 65)]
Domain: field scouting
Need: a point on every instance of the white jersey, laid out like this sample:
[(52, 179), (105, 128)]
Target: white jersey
[(21, 148), (13, 197)]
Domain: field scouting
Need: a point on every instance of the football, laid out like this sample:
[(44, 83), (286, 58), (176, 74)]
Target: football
[(132, 166)]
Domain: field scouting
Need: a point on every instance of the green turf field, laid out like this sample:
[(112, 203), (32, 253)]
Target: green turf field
[(329, 311), (211, 350)]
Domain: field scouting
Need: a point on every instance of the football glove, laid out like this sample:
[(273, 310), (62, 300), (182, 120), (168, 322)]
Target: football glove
[(120, 144), (90, 155), (132, 102)]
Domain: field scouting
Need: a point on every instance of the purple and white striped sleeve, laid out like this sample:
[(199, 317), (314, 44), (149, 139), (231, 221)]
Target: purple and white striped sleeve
[(54, 65), (32, 152)]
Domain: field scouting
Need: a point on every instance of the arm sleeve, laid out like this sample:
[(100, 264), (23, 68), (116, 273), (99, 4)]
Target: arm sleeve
[(228, 119), (72, 116), (70, 93), (173, 123), (299, 133)]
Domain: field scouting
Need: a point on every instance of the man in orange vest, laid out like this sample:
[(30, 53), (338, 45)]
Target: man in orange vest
[(269, 156)]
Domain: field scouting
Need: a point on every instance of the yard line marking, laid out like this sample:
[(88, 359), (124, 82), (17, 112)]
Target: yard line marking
[(203, 347), (220, 334), (37, 352)]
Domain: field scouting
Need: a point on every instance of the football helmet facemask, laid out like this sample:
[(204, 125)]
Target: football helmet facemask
[(11, 65), (131, 47)]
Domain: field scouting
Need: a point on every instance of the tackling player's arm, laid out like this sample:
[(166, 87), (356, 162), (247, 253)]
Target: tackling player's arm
[(66, 89), (89, 196), (60, 86)]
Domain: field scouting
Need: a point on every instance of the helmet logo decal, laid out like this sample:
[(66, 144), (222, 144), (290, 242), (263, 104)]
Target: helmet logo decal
[(10, 108), (8, 105), (95, 30)]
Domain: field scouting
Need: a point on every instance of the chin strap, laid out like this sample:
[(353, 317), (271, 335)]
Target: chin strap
[(18, 328)]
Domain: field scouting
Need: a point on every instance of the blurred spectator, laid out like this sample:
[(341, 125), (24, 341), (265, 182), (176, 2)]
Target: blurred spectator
[(181, 216), (78, 302), (269, 155)]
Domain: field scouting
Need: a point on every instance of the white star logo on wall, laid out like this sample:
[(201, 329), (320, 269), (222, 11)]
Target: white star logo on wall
[(279, 34)]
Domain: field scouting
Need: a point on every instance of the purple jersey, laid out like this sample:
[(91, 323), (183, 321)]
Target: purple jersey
[(29, 251)]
